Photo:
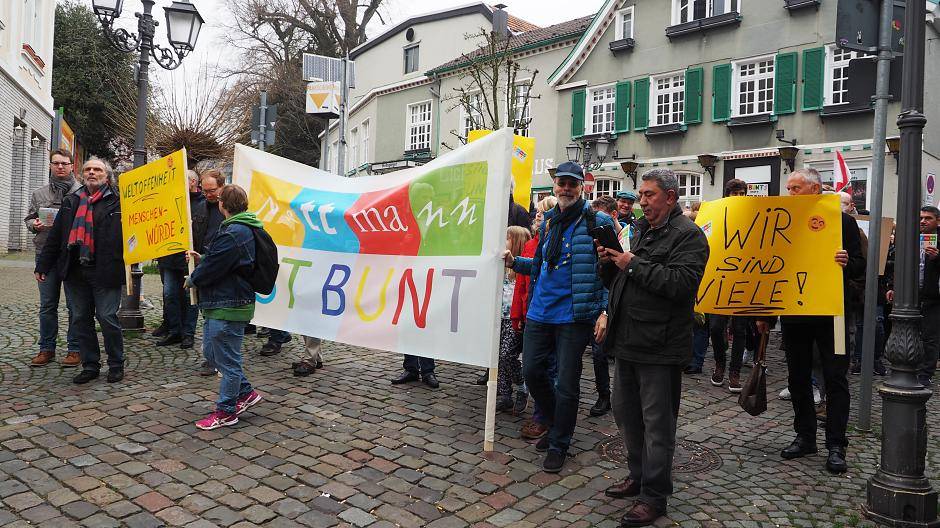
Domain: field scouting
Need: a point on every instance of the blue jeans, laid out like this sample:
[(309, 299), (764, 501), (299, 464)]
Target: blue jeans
[(90, 302), (418, 365), (178, 315), (222, 342), (559, 404), (699, 345), (279, 336), (49, 293)]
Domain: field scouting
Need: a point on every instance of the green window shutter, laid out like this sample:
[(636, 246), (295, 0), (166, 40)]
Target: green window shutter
[(641, 102), (785, 84), (721, 93), (622, 111), (577, 113), (694, 79), (814, 66)]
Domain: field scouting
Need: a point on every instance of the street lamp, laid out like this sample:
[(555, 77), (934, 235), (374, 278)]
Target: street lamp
[(574, 152), (788, 155), (708, 162), (899, 493), (894, 146), (595, 151), (183, 23)]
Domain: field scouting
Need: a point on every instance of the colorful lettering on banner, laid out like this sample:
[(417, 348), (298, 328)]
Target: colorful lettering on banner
[(402, 262), (772, 256)]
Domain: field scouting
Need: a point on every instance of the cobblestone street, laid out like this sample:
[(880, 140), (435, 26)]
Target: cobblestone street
[(345, 448)]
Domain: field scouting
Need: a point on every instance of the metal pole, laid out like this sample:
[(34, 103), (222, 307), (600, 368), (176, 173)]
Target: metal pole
[(263, 113), (341, 149), (869, 334), (130, 315), (899, 493)]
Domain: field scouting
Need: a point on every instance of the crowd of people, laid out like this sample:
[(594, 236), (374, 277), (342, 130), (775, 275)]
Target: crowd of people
[(564, 292)]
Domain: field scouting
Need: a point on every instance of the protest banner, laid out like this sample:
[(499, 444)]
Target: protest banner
[(408, 262), (523, 162), (155, 213), (772, 256)]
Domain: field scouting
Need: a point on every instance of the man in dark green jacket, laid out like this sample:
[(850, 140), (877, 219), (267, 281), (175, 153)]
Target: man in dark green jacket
[(652, 296)]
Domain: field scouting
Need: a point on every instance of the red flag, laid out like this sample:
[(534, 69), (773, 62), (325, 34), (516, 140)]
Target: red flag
[(840, 174)]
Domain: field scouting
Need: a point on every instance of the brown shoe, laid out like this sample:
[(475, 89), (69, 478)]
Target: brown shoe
[(734, 382), (641, 514), (628, 487), (42, 358), (718, 377), (533, 430), (71, 360)]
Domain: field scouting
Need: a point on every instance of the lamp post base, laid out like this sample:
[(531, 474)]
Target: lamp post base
[(130, 316)]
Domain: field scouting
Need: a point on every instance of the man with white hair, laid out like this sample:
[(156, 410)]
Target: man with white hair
[(800, 333), (85, 246)]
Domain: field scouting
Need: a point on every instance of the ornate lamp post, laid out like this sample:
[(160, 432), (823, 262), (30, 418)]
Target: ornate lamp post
[(183, 24), (899, 493)]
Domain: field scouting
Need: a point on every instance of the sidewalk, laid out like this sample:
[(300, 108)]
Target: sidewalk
[(345, 448)]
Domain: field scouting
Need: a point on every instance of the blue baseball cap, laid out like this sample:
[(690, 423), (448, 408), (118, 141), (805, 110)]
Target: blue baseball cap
[(570, 169), (626, 195)]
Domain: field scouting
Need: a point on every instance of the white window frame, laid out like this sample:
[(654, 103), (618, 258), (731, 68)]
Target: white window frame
[(831, 65), (365, 141), (612, 185), (523, 114), (824, 167), (673, 93), (736, 81), (476, 102), (32, 24), (677, 8), (620, 34), (352, 150), (412, 126), (417, 62), (607, 125), (689, 182), (334, 157)]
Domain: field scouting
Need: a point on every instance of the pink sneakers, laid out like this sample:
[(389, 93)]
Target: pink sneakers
[(246, 401), (217, 419)]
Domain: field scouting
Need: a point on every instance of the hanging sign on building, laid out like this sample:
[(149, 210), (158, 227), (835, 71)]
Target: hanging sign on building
[(323, 99)]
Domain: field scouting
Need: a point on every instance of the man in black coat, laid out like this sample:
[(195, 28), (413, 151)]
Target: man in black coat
[(800, 333), (85, 246)]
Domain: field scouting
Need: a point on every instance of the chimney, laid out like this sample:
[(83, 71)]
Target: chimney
[(501, 21)]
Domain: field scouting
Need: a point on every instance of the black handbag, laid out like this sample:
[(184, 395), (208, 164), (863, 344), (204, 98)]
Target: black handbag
[(753, 397)]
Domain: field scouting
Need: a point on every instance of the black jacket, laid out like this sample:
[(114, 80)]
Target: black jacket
[(651, 302), (518, 215), (177, 261), (109, 242), (202, 218)]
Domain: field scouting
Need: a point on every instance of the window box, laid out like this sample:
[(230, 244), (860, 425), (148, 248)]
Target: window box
[(666, 130), (626, 44), (793, 5), (703, 24), (845, 110), (763, 119)]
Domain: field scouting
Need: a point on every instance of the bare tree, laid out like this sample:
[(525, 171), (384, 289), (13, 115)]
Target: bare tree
[(491, 95)]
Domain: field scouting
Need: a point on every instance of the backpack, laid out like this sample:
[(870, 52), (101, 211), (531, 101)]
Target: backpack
[(264, 272)]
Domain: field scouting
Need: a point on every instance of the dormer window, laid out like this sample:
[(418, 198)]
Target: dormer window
[(411, 59), (684, 11), (625, 23)]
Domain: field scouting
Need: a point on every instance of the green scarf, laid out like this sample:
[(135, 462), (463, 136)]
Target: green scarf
[(245, 218)]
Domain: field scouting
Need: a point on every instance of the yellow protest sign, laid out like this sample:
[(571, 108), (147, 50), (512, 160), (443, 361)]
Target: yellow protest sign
[(772, 256), (155, 209), (523, 160)]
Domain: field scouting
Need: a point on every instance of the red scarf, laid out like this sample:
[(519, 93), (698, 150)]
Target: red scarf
[(83, 226)]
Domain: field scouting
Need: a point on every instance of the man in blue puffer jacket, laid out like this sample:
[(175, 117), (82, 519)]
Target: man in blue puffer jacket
[(566, 309)]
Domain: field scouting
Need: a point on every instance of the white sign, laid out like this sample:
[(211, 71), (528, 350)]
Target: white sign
[(323, 99), (758, 189)]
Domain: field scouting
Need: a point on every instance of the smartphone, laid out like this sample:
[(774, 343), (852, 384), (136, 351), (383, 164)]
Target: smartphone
[(606, 236)]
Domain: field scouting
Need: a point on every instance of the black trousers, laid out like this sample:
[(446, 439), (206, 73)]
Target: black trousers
[(718, 327), (930, 326), (799, 337)]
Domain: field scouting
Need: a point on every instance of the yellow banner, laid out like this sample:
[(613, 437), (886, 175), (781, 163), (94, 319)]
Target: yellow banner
[(523, 160), (772, 256), (155, 212)]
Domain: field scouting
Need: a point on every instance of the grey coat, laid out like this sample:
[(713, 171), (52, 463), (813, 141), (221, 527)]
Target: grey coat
[(45, 196)]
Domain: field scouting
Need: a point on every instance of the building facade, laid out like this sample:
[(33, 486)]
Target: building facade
[(26, 36)]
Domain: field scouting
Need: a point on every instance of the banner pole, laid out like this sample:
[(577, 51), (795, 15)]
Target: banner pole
[(192, 291), (128, 281), (838, 332), (489, 430)]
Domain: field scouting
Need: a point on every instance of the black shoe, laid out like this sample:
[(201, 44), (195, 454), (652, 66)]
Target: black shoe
[(171, 339), (160, 331), (430, 380), (602, 406), (483, 379), (554, 461), (690, 370), (263, 332), (206, 370), (504, 405), (800, 447), (542, 445), (187, 342), (115, 375), (303, 368), (85, 376), (835, 462), (270, 349), (406, 377), (880, 370), (856, 368)]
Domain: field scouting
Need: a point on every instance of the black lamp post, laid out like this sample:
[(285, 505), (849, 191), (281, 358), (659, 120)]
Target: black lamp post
[(183, 23), (899, 493)]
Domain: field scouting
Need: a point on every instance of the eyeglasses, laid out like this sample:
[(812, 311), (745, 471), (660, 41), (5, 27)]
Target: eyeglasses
[(60, 163), (209, 191)]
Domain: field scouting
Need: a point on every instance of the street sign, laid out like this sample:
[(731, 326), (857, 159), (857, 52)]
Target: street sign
[(321, 68), (323, 99), (857, 25)]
